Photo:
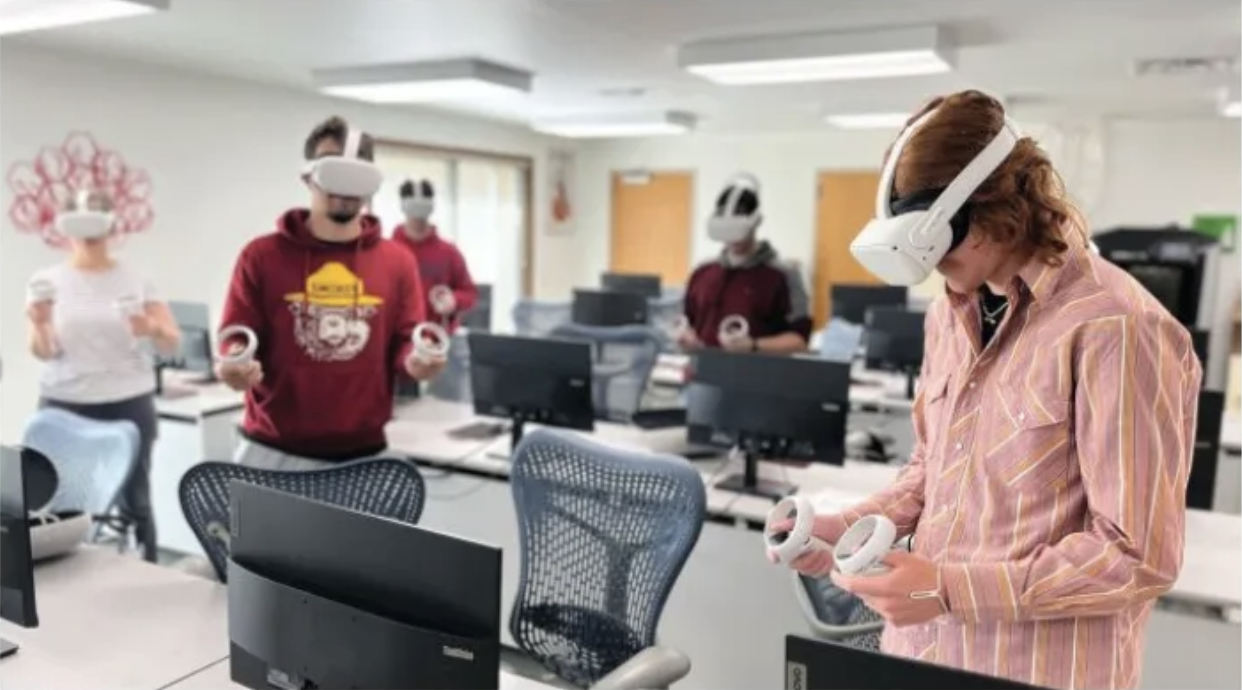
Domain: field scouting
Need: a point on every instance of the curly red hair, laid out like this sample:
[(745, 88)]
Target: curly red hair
[(1023, 203)]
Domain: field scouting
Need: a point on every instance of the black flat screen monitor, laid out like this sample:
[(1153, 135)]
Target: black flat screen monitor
[(851, 302), (824, 665), (768, 406), (645, 284), (894, 342), (321, 596), (17, 586), (608, 308), (1201, 485), (541, 380)]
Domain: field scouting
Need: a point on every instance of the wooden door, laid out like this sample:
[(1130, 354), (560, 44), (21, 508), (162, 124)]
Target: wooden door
[(651, 224), (845, 203)]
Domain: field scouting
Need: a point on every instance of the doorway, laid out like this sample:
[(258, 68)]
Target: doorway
[(651, 224), (845, 202)]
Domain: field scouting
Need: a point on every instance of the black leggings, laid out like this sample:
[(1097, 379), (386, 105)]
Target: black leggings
[(135, 499)]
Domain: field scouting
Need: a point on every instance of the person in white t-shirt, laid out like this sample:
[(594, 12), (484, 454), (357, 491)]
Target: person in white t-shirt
[(94, 322)]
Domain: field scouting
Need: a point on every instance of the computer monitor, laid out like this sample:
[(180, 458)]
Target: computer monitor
[(195, 354), (17, 586), (851, 302), (645, 284), (768, 406), (607, 308), (1201, 485), (824, 665), (540, 380), (321, 596), (895, 342), (479, 317)]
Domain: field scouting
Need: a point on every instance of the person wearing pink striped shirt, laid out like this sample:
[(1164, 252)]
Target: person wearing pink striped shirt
[(1054, 426)]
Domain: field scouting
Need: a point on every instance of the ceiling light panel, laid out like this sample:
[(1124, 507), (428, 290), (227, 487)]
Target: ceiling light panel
[(617, 126), (463, 80), (819, 57), (868, 120), (19, 16)]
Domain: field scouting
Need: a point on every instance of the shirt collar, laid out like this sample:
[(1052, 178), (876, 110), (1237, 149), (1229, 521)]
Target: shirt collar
[(1040, 277)]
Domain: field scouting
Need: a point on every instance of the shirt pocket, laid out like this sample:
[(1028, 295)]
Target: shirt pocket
[(1029, 447)]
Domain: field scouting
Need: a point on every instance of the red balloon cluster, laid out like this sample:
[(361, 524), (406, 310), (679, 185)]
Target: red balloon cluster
[(42, 187)]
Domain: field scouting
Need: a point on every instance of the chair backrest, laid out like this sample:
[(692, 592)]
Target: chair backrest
[(92, 458), (623, 359), (835, 614), (385, 487), (604, 534), (453, 383), (663, 313), (538, 319)]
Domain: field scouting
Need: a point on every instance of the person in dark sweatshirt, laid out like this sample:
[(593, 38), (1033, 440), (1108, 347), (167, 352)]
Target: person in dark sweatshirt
[(747, 280), (333, 308), (447, 284)]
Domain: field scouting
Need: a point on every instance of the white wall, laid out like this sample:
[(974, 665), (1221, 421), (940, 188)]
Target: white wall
[(223, 156), (1154, 173)]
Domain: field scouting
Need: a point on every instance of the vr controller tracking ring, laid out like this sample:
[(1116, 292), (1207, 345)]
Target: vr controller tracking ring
[(246, 354), (787, 546), (440, 297), (40, 290), (431, 342), (863, 545), (733, 327)]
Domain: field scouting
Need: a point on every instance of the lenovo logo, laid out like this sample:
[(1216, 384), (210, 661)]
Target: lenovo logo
[(458, 653)]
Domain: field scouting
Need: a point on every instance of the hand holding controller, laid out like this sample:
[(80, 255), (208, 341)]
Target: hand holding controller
[(442, 300), (788, 532), (733, 329), (237, 366), (40, 296), (430, 352)]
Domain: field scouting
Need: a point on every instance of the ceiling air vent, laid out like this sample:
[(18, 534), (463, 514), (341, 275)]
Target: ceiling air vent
[(1179, 66)]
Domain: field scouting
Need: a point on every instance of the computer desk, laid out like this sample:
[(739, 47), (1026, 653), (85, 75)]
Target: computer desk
[(116, 622), (216, 677)]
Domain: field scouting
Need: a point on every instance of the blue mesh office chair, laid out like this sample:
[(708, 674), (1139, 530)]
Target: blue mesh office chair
[(624, 357), (453, 383), (538, 319), (835, 614), (663, 313), (386, 487), (92, 459), (604, 534)]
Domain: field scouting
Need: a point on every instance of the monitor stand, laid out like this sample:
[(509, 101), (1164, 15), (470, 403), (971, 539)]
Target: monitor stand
[(750, 484), (911, 377), (516, 428), (7, 648)]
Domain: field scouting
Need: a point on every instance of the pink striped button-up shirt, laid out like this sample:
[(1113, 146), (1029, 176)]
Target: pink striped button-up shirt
[(1049, 475)]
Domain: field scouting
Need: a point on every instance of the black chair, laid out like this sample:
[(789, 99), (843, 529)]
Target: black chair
[(385, 487)]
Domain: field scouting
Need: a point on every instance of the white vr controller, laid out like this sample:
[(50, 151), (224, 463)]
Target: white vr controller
[(40, 290), (733, 328), (244, 355), (858, 552), (442, 300), (128, 305), (431, 343)]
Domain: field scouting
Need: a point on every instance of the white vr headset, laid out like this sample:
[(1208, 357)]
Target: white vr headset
[(418, 206), (346, 174), (726, 225), (909, 236), (82, 223)]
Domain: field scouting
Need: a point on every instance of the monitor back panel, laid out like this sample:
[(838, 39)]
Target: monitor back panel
[(607, 308), (821, 665), (17, 593), (851, 302), (645, 284), (514, 375)]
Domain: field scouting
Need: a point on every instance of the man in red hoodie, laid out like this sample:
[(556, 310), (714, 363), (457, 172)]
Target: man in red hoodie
[(449, 289), (333, 308)]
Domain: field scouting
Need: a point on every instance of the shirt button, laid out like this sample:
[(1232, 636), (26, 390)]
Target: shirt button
[(971, 385), (1021, 416), (958, 446)]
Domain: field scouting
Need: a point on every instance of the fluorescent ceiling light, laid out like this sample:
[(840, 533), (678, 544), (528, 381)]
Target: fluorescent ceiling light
[(819, 57), (424, 82), (614, 126), (868, 120), (17, 16)]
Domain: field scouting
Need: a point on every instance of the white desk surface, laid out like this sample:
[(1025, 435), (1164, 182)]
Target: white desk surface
[(107, 621), (206, 399), (217, 677), (1231, 432)]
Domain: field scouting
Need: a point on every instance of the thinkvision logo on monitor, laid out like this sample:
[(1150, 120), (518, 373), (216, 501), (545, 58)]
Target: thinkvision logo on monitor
[(458, 653)]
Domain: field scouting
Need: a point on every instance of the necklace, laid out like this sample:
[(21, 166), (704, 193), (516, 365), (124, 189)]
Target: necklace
[(992, 317)]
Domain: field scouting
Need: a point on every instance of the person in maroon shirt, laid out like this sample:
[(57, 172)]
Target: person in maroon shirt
[(747, 280), (447, 286), (333, 308)]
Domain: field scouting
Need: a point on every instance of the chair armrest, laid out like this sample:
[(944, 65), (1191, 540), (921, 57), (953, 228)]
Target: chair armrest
[(654, 668)]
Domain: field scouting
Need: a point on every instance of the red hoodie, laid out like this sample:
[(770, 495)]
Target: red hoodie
[(334, 322), (440, 263)]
